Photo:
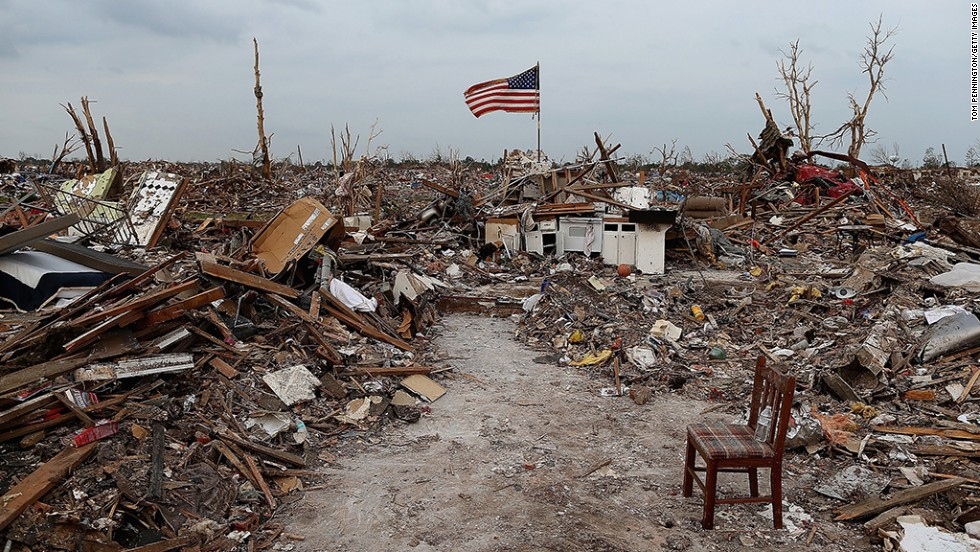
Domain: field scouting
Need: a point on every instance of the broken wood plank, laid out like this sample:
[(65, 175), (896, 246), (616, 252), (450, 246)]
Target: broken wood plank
[(877, 505), (30, 489), (440, 188), (67, 417), (226, 370), (121, 319), (941, 450), (37, 331), (156, 459), (325, 349), (333, 386), (26, 236), (135, 367), (885, 518), (166, 545), (796, 224), (257, 476), (226, 332), (140, 304), (347, 316), (247, 279), (912, 430), (356, 257), (276, 454), (205, 335), (968, 387), (376, 371), (26, 407), (150, 272), (77, 410), (235, 461), (167, 313), (38, 372)]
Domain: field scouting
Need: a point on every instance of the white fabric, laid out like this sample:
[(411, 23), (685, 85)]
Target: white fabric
[(351, 297)]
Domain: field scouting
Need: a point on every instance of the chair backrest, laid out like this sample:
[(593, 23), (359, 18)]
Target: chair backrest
[(774, 390)]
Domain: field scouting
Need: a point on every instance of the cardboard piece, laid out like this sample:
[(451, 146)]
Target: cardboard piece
[(424, 387), (292, 233), (401, 398)]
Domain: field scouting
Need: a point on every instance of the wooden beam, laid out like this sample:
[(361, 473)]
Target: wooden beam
[(30, 489), (166, 545), (375, 371), (344, 313), (811, 215), (440, 188), (877, 505), (145, 276), (604, 158), (275, 454), (247, 279), (167, 313), (913, 430), (34, 374), (141, 303), (26, 407)]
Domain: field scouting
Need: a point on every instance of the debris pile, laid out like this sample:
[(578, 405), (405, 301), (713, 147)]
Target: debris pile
[(182, 344)]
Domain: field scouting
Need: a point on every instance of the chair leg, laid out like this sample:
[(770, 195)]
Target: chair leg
[(688, 470), (753, 482), (776, 483), (710, 491)]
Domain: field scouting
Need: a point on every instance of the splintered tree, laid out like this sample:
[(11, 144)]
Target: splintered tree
[(797, 95), (263, 142), (90, 137), (354, 170), (877, 53), (668, 157)]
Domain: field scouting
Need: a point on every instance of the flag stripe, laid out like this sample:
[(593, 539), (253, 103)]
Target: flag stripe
[(517, 94), (510, 98)]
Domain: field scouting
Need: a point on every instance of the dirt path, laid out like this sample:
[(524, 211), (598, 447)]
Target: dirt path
[(501, 464)]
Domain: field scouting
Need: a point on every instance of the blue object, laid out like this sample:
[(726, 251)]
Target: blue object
[(918, 236)]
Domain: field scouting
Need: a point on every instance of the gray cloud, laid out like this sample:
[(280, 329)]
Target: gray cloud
[(173, 18), (175, 78)]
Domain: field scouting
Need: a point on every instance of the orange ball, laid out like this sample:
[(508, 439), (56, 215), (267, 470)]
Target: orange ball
[(624, 270)]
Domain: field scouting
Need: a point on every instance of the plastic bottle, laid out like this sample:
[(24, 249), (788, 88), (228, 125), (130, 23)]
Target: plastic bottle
[(698, 313), (763, 423)]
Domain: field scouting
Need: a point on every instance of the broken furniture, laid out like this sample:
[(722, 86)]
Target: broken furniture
[(744, 448)]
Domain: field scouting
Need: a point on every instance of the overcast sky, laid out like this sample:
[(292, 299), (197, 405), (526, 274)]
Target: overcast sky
[(174, 78)]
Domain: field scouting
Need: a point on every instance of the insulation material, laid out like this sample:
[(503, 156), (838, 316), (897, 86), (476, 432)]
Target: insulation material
[(292, 385), (963, 275)]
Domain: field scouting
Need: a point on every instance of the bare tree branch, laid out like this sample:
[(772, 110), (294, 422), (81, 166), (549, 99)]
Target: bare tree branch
[(876, 55), (797, 95)]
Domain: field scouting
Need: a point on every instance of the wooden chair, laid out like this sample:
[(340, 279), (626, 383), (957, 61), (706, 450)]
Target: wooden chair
[(735, 448)]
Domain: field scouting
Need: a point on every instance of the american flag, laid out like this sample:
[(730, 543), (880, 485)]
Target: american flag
[(518, 94)]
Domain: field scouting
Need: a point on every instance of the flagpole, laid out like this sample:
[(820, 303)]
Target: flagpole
[(538, 82)]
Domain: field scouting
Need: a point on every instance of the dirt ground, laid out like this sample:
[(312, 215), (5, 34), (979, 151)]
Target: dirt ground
[(503, 462)]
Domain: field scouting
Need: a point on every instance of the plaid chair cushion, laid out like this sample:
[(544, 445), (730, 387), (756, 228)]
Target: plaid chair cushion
[(720, 441)]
